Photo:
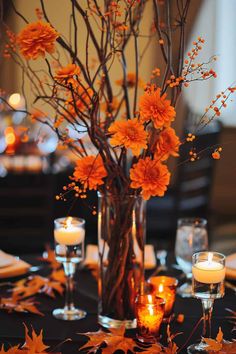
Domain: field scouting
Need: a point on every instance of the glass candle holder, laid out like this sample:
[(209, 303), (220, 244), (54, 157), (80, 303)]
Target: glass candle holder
[(165, 287), (149, 314), (69, 234), (208, 269)]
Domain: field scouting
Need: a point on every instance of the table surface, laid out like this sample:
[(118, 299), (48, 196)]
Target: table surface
[(56, 331)]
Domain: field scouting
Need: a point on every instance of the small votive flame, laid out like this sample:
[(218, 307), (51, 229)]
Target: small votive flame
[(68, 222), (210, 257), (161, 288)]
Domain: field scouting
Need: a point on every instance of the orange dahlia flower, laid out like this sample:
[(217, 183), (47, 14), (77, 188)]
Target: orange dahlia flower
[(66, 74), (130, 134), (150, 175), (36, 39), (90, 171), (168, 144), (157, 108)]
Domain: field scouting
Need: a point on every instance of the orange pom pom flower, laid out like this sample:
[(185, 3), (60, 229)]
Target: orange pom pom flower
[(168, 144), (36, 39), (130, 134), (66, 74), (156, 108), (90, 171), (151, 176)]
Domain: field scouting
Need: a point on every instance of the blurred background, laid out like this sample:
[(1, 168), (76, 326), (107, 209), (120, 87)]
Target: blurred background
[(33, 171)]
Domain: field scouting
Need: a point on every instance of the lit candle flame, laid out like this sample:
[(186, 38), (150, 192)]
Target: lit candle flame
[(68, 222), (210, 257), (14, 100), (161, 288), (149, 299)]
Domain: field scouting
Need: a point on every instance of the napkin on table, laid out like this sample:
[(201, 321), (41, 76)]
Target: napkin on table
[(16, 266)]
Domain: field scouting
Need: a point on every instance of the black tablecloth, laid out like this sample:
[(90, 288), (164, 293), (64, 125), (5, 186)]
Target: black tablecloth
[(56, 331)]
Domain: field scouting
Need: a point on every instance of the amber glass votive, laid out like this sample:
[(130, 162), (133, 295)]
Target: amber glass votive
[(149, 314), (164, 287)]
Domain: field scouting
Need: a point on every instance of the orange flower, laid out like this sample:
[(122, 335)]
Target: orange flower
[(66, 74), (90, 171), (168, 144), (155, 107), (129, 133), (36, 39), (150, 175)]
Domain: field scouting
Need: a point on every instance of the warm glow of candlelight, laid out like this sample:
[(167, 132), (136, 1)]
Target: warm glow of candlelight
[(210, 257), (161, 288), (68, 222), (165, 288), (14, 99), (69, 233), (149, 314)]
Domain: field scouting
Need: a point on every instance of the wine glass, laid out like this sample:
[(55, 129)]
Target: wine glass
[(208, 270), (191, 237), (69, 234)]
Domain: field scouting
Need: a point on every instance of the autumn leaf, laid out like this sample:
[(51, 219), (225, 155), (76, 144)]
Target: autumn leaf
[(34, 343), (220, 346), (36, 284), (11, 304), (58, 275), (12, 350), (115, 340)]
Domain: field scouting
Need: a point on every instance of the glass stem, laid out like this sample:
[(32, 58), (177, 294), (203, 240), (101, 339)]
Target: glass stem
[(69, 269), (207, 305)]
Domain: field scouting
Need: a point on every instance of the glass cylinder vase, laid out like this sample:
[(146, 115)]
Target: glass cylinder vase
[(121, 240)]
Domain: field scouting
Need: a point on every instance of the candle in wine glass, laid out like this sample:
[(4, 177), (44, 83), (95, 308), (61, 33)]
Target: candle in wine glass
[(208, 269), (69, 236), (208, 277)]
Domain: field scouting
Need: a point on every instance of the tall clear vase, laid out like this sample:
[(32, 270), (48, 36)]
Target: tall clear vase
[(121, 240)]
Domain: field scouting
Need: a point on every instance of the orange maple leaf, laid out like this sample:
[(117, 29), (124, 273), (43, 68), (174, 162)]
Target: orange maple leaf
[(115, 340), (11, 304), (50, 258), (34, 343), (12, 350)]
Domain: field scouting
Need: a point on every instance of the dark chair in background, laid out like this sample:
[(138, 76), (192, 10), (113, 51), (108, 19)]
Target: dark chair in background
[(191, 193)]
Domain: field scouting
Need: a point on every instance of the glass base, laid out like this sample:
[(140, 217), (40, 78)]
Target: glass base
[(185, 290), (69, 315), (147, 340), (108, 322), (198, 348)]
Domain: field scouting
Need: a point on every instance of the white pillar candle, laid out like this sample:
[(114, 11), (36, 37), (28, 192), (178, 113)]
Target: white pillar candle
[(208, 272), (69, 234)]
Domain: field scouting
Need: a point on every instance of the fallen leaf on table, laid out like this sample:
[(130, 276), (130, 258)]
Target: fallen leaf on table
[(50, 258), (12, 350), (115, 340), (33, 344), (58, 275), (220, 346), (36, 284), (12, 304)]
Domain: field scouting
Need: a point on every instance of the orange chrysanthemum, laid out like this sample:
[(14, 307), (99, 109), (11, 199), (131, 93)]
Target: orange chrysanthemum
[(67, 73), (157, 108), (129, 133), (36, 39), (168, 144), (150, 175), (90, 171)]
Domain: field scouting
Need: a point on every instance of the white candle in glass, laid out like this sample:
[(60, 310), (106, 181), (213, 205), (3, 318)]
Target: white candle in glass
[(69, 234), (209, 272)]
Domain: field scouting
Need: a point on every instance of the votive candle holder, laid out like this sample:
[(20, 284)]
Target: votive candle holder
[(149, 315), (164, 287)]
